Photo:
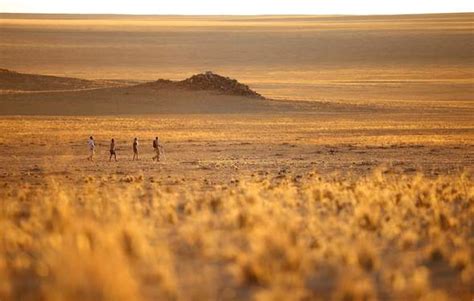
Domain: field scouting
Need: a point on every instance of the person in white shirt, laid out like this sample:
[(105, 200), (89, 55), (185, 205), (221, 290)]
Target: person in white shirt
[(158, 148), (91, 144)]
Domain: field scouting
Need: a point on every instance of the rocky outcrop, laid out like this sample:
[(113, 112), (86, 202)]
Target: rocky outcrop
[(209, 81), (212, 81)]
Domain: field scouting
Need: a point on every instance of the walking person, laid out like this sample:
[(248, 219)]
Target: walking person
[(91, 144), (135, 149), (157, 149), (112, 150)]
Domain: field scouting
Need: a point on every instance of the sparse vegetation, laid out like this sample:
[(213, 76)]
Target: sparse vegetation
[(342, 172), (375, 238), (225, 218)]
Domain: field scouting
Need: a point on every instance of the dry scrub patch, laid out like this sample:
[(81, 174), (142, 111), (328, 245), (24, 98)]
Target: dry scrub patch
[(375, 238)]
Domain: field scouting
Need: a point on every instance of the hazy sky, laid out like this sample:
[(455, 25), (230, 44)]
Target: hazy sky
[(237, 7)]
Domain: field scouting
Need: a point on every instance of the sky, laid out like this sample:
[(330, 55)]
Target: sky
[(237, 7)]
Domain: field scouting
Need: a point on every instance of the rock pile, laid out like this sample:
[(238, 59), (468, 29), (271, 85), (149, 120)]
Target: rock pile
[(210, 81)]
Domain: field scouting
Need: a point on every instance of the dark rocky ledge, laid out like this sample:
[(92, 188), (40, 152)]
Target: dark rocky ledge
[(208, 81)]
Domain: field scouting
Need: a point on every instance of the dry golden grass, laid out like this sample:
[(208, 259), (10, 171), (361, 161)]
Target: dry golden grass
[(237, 211), (379, 237)]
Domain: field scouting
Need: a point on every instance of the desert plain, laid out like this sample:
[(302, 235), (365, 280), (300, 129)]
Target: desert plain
[(349, 179)]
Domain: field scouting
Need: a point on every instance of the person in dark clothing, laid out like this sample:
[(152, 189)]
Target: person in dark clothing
[(157, 149), (135, 149), (112, 150)]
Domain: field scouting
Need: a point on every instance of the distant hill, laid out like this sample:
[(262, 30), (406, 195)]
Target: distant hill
[(15, 81), (205, 93), (207, 81), (12, 81), (33, 94)]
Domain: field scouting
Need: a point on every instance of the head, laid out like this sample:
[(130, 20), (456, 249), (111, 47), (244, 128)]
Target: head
[(113, 140), (156, 138), (91, 138), (135, 139)]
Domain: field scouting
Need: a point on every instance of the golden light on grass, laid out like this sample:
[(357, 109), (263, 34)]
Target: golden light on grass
[(113, 240), (350, 181)]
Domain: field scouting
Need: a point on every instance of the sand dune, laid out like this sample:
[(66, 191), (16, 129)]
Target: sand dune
[(33, 94), (295, 57), (14, 81), (391, 61), (205, 93)]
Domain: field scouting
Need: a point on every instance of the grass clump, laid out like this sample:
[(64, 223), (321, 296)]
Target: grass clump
[(381, 237)]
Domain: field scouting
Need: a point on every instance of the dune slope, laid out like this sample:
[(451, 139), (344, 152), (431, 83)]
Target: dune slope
[(31, 94), (12, 81)]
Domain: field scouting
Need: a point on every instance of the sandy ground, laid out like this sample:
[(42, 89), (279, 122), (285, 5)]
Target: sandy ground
[(218, 149), (209, 153), (340, 58)]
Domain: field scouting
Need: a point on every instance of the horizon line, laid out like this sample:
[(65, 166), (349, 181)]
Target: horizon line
[(229, 15)]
